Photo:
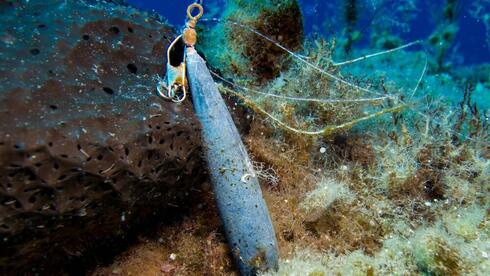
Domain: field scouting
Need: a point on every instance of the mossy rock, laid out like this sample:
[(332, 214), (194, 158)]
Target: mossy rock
[(238, 52)]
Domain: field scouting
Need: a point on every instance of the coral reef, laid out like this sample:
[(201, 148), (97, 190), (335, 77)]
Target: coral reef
[(87, 149)]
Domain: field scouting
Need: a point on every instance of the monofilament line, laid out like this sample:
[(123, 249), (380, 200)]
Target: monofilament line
[(324, 131), (300, 99), (295, 55), (375, 54), (421, 75)]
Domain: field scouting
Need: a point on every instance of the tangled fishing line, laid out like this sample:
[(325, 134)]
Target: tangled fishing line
[(376, 97)]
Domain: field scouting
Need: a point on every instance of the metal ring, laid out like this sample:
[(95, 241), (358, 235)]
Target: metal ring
[(191, 8)]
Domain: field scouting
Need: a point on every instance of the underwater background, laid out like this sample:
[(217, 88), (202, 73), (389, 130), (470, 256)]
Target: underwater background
[(463, 25), (366, 121), (416, 19)]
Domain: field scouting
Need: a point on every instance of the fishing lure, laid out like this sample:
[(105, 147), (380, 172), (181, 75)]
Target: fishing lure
[(242, 208)]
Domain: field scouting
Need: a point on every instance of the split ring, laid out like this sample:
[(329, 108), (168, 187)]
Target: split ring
[(191, 8)]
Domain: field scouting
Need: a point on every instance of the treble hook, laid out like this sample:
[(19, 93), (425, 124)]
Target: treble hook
[(174, 86), (175, 80)]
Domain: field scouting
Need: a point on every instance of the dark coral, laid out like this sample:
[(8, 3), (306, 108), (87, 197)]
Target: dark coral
[(86, 147)]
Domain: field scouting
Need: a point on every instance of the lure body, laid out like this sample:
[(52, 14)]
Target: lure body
[(239, 198)]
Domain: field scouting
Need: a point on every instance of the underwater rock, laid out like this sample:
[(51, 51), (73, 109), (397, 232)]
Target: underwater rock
[(87, 149)]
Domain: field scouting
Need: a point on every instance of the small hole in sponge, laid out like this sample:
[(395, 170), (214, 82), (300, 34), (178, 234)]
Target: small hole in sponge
[(132, 68), (34, 52), (53, 107), (108, 90), (32, 177), (114, 30), (130, 30), (32, 199), (85, 37)]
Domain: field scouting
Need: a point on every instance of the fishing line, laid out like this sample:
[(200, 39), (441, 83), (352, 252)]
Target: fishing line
[(328, 129), (301, 99), (303, 60)]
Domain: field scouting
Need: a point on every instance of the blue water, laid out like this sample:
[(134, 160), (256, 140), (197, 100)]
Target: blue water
[(470, 45)]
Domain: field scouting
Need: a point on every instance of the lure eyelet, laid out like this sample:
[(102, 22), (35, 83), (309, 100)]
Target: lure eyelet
[(191, 8)]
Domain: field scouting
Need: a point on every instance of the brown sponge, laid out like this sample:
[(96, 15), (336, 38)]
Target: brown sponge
[(86, 146)]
